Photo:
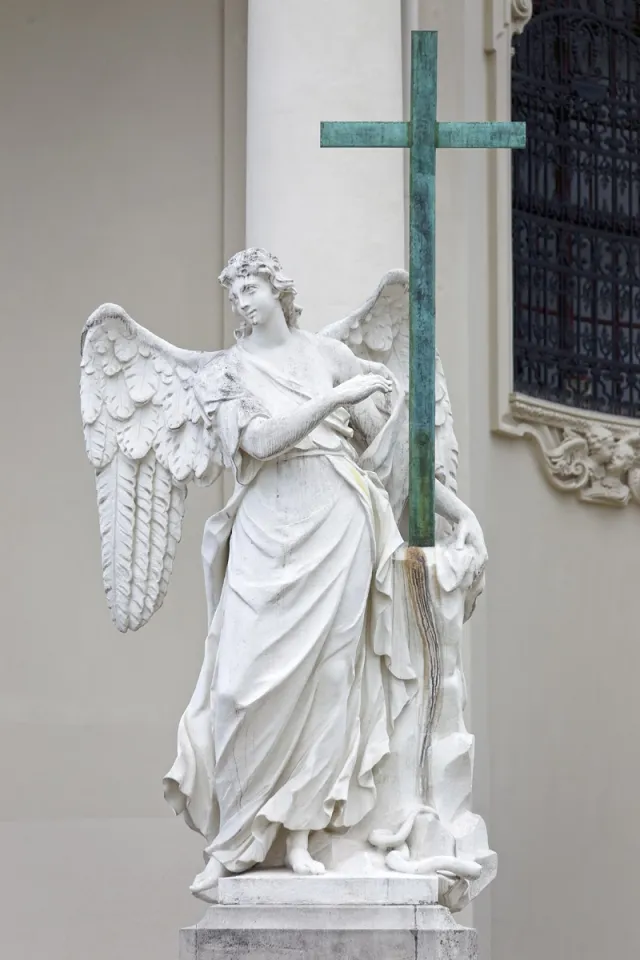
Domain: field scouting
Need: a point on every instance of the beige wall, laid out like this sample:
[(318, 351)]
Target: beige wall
[(564, 660), (111, 171)]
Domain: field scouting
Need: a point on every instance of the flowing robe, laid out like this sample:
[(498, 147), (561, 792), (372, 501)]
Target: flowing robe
[(302, 680)]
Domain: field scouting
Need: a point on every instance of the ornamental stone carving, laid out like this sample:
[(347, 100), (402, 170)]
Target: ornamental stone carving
[(581, 452), (521, 12)]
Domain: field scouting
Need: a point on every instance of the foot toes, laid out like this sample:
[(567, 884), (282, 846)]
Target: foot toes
[(209, 895)]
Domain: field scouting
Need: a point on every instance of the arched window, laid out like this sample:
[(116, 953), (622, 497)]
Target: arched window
[(576, 206)]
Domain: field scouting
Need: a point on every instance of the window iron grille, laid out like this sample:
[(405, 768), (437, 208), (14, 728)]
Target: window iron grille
[(576, 206)]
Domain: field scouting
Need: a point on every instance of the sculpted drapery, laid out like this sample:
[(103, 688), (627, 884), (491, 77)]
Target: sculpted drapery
[(299, 676)]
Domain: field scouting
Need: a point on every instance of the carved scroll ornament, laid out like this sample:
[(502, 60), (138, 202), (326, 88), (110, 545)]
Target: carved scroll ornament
[(581, 452)]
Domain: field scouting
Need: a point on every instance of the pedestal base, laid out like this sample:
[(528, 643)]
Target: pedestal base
[(281, 887), (327, 932)]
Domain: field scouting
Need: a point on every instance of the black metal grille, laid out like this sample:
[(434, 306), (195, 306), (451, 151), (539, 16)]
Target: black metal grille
[(576, 205)]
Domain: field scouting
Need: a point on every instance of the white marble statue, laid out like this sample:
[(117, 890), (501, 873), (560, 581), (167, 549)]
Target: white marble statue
[(325, 730)]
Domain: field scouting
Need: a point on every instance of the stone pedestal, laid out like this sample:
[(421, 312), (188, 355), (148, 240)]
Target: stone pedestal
[(335, 922)]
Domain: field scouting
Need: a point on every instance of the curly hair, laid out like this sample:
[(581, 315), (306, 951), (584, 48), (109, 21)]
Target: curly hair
[(255, 260)]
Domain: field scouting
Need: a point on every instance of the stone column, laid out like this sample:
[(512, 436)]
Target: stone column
[(335, 218)]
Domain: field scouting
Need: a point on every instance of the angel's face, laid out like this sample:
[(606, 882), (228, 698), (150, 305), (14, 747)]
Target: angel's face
[(254, 299)]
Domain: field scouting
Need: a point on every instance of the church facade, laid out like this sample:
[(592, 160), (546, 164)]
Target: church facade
[(143, 144)]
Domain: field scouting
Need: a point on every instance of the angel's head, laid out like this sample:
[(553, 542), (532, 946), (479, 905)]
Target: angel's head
[(602, 444), (257, 286)]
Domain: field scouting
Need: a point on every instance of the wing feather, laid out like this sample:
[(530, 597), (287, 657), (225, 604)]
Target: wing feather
[(158, 536), (117, 398), (148, 438), (100, 439), (174, 532), (116, 486), (446, 441), (141, 378), (142, 541), (91, 400), (136, 436)]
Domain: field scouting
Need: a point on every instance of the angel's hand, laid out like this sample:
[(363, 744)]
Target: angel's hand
[(469, 532), (382, 370), (370, 366), (359, 388)]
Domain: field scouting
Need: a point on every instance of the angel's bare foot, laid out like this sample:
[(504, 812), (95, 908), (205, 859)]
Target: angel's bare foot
[(298, 856), (205, 885)]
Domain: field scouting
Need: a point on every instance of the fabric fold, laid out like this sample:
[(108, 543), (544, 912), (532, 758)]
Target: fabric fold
[(302, 678)]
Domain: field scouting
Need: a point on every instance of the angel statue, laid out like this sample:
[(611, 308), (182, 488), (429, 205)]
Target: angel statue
[(325, 730)]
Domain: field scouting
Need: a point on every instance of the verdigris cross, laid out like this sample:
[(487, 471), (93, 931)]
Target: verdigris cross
[(422, 135)]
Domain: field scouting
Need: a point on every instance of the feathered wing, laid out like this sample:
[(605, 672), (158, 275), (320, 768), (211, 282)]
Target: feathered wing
[(147, 437), (446, 442), (379, 331)]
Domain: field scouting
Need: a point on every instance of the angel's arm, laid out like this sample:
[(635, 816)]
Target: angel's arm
[(370, 421), (266, 437), (448, 504), (366, 416), (463, 519)]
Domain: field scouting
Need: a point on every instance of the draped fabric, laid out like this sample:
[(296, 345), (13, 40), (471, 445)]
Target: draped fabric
[(302, 680)]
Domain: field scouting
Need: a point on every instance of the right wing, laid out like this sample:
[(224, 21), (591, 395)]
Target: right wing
[(147, 437), (379, 330)]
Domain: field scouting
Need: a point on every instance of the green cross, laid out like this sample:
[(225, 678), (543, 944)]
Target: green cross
[(422, 135)]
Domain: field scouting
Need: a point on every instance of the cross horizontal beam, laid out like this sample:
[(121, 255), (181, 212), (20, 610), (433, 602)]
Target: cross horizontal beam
[(363, 134), (483, 135), (448, 135)]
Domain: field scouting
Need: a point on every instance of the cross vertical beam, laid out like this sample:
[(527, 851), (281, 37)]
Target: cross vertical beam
[(422, 288), (422, 135)]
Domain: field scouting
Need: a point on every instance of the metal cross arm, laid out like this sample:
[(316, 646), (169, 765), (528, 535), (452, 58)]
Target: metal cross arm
[(391, 134), (422, 135)]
